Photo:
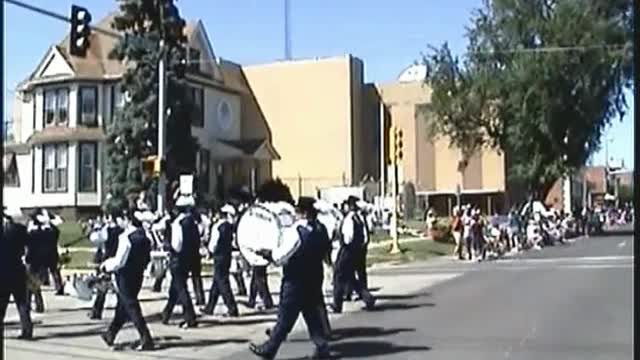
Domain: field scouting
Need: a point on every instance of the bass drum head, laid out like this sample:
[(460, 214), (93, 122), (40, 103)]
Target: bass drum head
[(258, 228)]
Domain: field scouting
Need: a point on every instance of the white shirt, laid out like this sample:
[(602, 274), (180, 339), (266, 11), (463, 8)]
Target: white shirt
[(347, 229), (176, 233), (289, 244), (215, 234), (122, 253)]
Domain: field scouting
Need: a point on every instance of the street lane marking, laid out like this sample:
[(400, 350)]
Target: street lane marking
[(622, 244), (567, 259)]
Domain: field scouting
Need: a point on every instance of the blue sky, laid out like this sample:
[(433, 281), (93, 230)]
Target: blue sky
[(387, 35)]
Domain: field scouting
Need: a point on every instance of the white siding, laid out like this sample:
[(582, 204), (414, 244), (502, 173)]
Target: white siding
[(54, 65)]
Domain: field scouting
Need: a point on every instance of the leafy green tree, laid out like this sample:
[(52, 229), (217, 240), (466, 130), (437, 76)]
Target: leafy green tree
[(133, 135), (541, 80)]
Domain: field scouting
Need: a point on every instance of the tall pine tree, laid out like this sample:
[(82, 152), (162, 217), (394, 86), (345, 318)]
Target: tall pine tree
[(134, 133)]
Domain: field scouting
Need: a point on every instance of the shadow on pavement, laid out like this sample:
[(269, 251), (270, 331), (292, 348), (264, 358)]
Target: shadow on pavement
[(356, 332), (399, 306), (78, 333), (238, 321), (402, 297), (363, 349), (607, 233)]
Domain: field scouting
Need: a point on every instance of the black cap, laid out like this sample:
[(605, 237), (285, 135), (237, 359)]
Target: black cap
[(306, 204), (352, 200)]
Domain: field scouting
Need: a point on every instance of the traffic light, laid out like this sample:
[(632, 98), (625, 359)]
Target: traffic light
[(398, 145), (151, 166), (80, 31)]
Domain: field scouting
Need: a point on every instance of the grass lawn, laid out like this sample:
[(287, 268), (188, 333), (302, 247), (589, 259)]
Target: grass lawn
[(413, 251), (71, 235), (80, 260)]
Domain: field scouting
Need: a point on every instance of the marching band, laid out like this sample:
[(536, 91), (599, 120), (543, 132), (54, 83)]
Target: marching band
[(302, 239)]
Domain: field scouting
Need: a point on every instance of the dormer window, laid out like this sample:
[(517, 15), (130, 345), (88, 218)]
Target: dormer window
[(193, 60), (88, 106), (56, 107)]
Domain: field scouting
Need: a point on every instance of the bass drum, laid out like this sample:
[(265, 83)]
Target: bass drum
[(261, 227)]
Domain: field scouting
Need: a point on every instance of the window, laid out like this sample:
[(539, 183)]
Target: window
[(88, 106), (56, 107), (203, 170), (193, 60), (117, 100), (11, 178), (197, 114), (7, 130), (55, 168), (88, 167)]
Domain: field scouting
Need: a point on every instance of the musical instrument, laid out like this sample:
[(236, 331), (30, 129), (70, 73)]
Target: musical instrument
[(159, 264), (33, 282), (261, 227), (84, 286)]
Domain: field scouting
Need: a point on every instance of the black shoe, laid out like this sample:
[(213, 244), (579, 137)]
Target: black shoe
[(25, 336), (261, 351), (165, 319), (60, 293), (93, 316), (188, 324), (108, 338), (370, 304), (334, 309), (231, 314), (146, 346), (206, 311), (320, 354)]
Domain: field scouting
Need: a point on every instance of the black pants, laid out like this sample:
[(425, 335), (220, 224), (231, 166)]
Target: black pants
[(239, 279), (196, 280), (296, 299), (52, 267), (157, 283), (259, 286), (178, 293), (18, 289), (221, 286), (128, 307), (360, 267), (344, 276), (40, 272)]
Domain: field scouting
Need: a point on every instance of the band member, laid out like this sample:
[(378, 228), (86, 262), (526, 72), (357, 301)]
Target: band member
[(456, 230), (259, 285), (196, 262), (13, 276), (107, 236), (42, 254), (185, 245), (237, 270), (360, 264), (301, 253), (129, 263), (220, 246), (354, 234), (160, 231)]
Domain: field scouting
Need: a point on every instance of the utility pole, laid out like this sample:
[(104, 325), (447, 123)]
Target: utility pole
[(161, 119)]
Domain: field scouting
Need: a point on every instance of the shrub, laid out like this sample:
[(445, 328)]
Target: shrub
[(441, 231)]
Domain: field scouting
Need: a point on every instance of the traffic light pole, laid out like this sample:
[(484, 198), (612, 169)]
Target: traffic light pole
[(161, 124), (395, 247)]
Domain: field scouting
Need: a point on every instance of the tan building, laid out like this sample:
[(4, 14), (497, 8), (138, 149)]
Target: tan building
[(315, 112), (432, 165)]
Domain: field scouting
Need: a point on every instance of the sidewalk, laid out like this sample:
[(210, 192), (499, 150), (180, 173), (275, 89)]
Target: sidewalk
[(64, 332)]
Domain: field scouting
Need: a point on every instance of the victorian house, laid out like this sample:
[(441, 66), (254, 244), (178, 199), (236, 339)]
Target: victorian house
[(54, 142)]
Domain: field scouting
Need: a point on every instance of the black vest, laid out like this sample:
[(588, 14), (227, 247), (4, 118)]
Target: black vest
[(304, 268), (358, 231), (111, 245), (42, 247), (224, 246), (140, 253), (14, 239), (190, 240)]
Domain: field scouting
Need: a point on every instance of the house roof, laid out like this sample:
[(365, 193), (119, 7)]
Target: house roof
[(97, 63), (60, 133)]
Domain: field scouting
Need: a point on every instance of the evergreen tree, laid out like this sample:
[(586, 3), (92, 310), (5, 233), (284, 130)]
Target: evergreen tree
[(133, 135)]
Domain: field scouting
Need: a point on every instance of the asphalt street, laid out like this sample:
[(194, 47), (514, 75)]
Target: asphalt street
[(565, 302)]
